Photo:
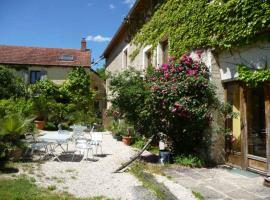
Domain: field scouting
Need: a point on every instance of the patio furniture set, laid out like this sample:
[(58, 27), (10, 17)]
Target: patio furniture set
[(84, 141)]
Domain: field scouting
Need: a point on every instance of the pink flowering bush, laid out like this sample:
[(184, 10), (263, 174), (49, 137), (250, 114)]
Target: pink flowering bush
[(180, 101), (175, 99)]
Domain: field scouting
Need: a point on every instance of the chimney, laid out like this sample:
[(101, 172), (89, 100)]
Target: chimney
[(83, 44)]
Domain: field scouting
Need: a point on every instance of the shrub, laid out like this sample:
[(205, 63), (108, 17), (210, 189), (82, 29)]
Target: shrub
[(10, 85), (176, 99), (50, 126), (18, 105), (180, 103), (129, 92), (11, 128), (189, 161)]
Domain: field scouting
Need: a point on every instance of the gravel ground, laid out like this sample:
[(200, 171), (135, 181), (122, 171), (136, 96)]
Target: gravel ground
[(90, 178)]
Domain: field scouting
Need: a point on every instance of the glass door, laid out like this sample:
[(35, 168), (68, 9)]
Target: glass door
[(256, 122)]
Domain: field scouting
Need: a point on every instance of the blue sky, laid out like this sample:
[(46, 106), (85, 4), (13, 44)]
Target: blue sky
[(61, 23)]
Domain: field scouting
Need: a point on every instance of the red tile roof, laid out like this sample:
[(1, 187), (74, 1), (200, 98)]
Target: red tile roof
[(22, 55)]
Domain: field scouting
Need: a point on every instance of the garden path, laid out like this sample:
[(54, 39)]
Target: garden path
[(94, 177), (221, 184)]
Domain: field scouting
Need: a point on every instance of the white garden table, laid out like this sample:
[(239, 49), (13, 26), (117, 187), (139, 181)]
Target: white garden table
[(55, 140)]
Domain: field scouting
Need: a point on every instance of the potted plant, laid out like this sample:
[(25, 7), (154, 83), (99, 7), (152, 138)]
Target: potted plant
[(127, 136), (41, 110)]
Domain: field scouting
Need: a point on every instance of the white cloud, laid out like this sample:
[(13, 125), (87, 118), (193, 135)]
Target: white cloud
[(111, 6), (98, 38), (129, 2)]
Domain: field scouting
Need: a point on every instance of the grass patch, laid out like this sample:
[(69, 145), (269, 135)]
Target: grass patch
[(188, 161), (52, 187), (139, 144), (153, 168), (70, 170), (198, 195), (24, 189), (148, 182)]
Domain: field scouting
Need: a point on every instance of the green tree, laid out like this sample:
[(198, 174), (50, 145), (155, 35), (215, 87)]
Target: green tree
[(10, 85)]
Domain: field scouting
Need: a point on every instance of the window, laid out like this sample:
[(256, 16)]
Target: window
[(125, 58), (165, 51), (66, 57), (147, 57), (35, 76)]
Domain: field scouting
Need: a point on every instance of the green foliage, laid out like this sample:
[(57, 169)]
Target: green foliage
[(189, 161), (253, 77), (40, 107), (148, 181), (23, 188), (200, 24), (19, 105), (44, 87), (130, 92), (11, 127), (175, 99), (70, 102), (50, 126), (77, 88), (10, 85), (102, 72), (198, 196)]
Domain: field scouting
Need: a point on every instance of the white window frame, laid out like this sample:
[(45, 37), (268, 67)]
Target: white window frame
[(125, 57), (160, 52), (145, 59)]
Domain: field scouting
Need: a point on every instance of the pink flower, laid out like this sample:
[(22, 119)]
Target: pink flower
[(191, 72), (167, 76), (165, 67), (174, 110)]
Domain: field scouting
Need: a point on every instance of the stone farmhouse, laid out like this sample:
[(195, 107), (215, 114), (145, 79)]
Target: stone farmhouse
[(35, 63), (251, 130)]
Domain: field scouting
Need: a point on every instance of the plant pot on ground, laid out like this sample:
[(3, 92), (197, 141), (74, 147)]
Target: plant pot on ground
[(127, 140), (127, 135), (40, 124), (41, 111)]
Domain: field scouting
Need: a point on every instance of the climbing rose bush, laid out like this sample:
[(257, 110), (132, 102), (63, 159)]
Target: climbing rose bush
[(175, 99), (181, 100)]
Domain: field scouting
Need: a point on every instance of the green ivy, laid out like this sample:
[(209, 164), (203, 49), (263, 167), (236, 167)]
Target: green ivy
[(199, 24), (253, 77)]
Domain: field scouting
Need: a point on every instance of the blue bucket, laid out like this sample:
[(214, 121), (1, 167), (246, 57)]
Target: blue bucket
[(164, 156)]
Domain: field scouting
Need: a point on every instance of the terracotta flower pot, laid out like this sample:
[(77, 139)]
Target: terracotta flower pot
[(40, 124), (127, 140)]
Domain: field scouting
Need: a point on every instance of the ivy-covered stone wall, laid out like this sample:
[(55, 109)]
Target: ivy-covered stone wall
[(202, 23)]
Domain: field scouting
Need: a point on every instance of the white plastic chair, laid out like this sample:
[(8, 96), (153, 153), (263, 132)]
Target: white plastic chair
[(34, 145), (83, 145), (96, 140), (78, 132), (66, 133)]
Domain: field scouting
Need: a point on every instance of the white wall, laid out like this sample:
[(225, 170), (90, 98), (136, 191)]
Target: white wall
[(256, 56)]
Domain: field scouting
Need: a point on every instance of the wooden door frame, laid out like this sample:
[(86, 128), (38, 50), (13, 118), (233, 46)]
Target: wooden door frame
[(244, 130), (267, 124)]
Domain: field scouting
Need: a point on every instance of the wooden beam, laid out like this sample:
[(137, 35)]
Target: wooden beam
[(244, 129), (267, 124)]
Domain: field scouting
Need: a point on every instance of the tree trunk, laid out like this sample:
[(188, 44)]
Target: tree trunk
[(124, 165)]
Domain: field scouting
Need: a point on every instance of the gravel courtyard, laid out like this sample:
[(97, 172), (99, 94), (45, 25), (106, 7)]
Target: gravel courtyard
[(94, 177)]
